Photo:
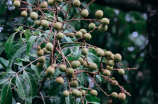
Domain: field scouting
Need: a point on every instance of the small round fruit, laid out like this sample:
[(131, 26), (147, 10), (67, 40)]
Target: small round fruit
[(114, 95), (74, 83), (117, 57), (79, 64), (59, 36), (91, 26), (40, 52), (94, 93), (78, 34), (40, 65), (70, 72), (111, 57), (34, 15), (76, 3), (41, 59), (85, 64), (121, 71), (83, 31), (111, 63), (57, 26), (37, 23), (92, 66), (59, 1), (62, 68), (80, 94), (17, 3), (105, 21), (81, 60), (60, 80), (99, 14), (84, 51), (121, 96), (24, 13), (75, 93), (100, 53), (66, 93), (46, 51), (106, 73), (102, 27), (108, 53), (44, 24), (83, 92), (71, 35), (97, 49), (114, 82), (109, 67), (49, 46), (84, 13), (74, 64), (87, 36), (50, 71), (51, 2), (43, 4)]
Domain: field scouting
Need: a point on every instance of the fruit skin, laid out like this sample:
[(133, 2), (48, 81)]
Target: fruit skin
[(59, 1), (100, 53), (97, 49), (76, 3), (114, 95), (46, 51), (92, 66), (75, 93), (62, 68), (79, 64), (105, 21), (34, 15), (44, 24), (17, 3), (81, 60), (59, 36), (106, 73), (37, 23), (70, 72), (78, 34), (51, 2), (91, 26), (80, 94), (57, 26), (108, 53), (99, 14), (109, 67), (60, 80), (84, 13), (83, 31), (83, 92), (74, 83), (121, 71), (40, 65), (84, 51), (49, 46), (24, 13), (87, 36), (102, 27), (117, 57), (93, 92), (111, 63), (75, 64), (50, 71), (43, 4), (40, 52), (41, 59), (66, 93), (121, 96), (111, 57), (114, 82), (85, 64), (71, 35)]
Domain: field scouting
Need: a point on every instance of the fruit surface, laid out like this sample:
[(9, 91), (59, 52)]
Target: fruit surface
[(91, 26), (60, 80), (108, 53), (43, 4), (41, 59), (66, 93), (74, 83), (92, 66), (70, 72), (57, 26), (114, 95), (37, 23), (111, 63), (60, 36), (62, 67), (46, 51), (84, 51), (87, 36), (78, 34), (71, 35), (17, 3), (117, 57), (84, 13), (106, 73), (93, 92), (100, 53), (105, 21), (99, 14), (109, 67), (76, 3), (102, 27), (121, 71), (40, 65), (121, 96), (44, 24), (74, 64), (75, 93), (24, 13), (40, 52), (83, 92), (49, 46), (33, 15), (51, 2), (81, 60), (83, 31)]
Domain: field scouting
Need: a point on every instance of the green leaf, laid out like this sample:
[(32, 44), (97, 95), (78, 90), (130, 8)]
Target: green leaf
[(33, 67), (67, 100), (31, 82), (6, 95), (27, 34), (2, 47), (3, 81), (93, 58), (9, 44), (55, 89), (92, 99), (30, 43), (4, 62), (76, 53)]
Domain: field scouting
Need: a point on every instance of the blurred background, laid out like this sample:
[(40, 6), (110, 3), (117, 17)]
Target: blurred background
[(132, 33)]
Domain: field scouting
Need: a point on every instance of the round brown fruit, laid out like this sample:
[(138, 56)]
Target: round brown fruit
[(94, 93), (17, 3), (83, 31), (57, 26), (76, 3), (108, 53), (74, 83), (40, 65), (71, 35), (102, 27), (60, 80), (24, 13), (105, 21), (84, 51), (85, 64), (70, 72), (40, 52), (84, 13), (117, 57), (74, 64), (92, 66), (49, 46), (111, 63), (44, 24), (78, 34), (121, 96), (97, 49), (106, 73), (114, 82), (62, 68), (91, 26), (43, 4), (87, 36), (81, 60), (33, 15), (109, 67), (114, 95), (100, 53), (75, 93), (79, 64), (83, 92), (59, 36), (50, 71), (111, 57), (37, 23), (46, 51), (99, 14), (51, 2), (66, 93), (41, 59), (121, 71)]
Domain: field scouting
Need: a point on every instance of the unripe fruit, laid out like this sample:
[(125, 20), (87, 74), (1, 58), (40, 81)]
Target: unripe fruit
[(84, 13), (41, 59), (62, 68), (97, 49), (40, 65), (94, 93), (49, 46), (74, 64), (60, 80), (51, 2), (66, 93), (111, 63), (106, 73), (85, 64), (24, 13), (33, 15), (59, 1), (55, 65), (70, 72), (75, 93), (111, 57), (81, 60), (87, 36), (83, 92), (59, 36), (102, 27), (108, 53), (121, 71), (117, 57), (114, 82), (79, 64), (50, 71), (74, 83), (99, 14), (71, 35), (109, 67), (121, 96), (114, 95), (78, 34), (105, 21), (37, 23), (43, 4), (17, 3), (76, 3), (100, 53), (83, 31), (40, 52), (44, 24), (57, 26), (46, 51), (92, 66), (91, 26), (84, 51)]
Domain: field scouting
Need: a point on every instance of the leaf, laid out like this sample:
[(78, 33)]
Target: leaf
[(55, 89), (6, 95), (31, 82), (99, 78), (3, 81), (33, 67), (76, 53), (4, 62), (2, 47), (67, 100), (9, 44), (27, 34), (93, 58), (30, 43), (92, 99)]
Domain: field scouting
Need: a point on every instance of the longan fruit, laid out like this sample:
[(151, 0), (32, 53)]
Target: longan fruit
[(93, 92), (62, 67), (121, 71), (44, 24), (40, 65), (24, 13), (109, 67), (50, 71), (84, 13), (17, 3), (117, 57), (83, 31), (74, 83), (81, 60), (37, 23), (78, 34), (59, 80), (49, 46), (121, 96), (60, 36), (70, 72), (66, 93), (83, 92), (43, 4), (74, 64), (57, 26), (100, 53), (91, 26), (40, 52), (75, 93), (114, 95), (33, 15), (84, 51), (41, 59), (105, 21), (99, 14), (108, 53), (51, 2), (46, 51), (111, 63), (71, 35), (106, 73), (103, 27), (87, 36), (92, 66), (76, 3)]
